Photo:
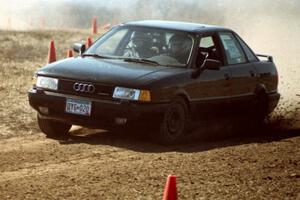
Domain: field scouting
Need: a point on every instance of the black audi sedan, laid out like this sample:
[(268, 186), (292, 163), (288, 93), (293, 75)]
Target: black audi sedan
[(161, 74)]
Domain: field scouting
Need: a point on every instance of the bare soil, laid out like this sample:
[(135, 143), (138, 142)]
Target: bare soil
[(94, 164)]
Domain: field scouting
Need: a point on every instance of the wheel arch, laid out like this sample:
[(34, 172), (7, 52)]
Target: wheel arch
[(183, 94), (260, 88)]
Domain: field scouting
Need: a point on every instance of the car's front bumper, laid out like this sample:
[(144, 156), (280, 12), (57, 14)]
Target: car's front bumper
[(104, 113)]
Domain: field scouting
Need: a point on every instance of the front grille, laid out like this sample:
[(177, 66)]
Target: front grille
[(102, 91)]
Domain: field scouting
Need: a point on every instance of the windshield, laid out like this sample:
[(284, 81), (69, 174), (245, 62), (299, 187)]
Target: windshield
[(164, 47)]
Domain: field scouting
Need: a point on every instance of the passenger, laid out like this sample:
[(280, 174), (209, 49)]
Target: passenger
[(180, 47), (140, 46)]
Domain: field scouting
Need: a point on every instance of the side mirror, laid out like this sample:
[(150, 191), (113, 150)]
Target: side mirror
[(79, 48), (211, 64), (207, 64)]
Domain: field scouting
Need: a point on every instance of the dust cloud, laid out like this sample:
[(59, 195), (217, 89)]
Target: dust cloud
[(268, 26)]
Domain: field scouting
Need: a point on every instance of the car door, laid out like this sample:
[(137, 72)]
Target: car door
[(210, 91), (243, 73)]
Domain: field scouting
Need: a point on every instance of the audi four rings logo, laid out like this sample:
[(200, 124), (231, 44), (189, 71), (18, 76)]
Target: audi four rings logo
[(84, 87)]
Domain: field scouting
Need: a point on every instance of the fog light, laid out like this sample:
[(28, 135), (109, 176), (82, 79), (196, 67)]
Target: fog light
[(120, 121), (44, 110)]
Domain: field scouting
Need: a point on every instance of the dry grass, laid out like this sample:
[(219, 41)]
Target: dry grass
[(21, 54)]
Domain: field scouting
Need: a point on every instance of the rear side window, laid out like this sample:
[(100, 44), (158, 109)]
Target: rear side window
[(250, 55), (233, 50)]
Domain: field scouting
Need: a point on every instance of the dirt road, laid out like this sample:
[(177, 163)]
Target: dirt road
[(107, 166)]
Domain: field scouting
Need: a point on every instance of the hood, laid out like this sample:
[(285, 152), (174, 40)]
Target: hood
[(107, 71)]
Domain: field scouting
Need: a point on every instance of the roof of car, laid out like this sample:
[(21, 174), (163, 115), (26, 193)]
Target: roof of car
[(175, 25)]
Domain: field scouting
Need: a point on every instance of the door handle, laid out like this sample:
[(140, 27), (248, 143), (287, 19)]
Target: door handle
[(252, 74), (227, 76)]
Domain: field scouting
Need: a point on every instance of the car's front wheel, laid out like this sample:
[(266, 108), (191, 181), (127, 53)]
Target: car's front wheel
[(52, 128), (175, 122)]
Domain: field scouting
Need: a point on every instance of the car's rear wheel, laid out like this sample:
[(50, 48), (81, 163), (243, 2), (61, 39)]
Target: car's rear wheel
[(174, 123), (52, 128), (261, 106)]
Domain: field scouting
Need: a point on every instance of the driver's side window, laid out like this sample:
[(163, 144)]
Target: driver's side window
[(110, 46), (207, 50)]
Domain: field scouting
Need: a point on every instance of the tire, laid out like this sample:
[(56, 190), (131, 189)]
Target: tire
[(53, 129), (261, 107), (174, 124)]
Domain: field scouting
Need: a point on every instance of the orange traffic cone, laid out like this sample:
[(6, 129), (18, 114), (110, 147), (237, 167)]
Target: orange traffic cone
[(88, 42), (51, 52), (94, 26), (170, 192), (70, 53)]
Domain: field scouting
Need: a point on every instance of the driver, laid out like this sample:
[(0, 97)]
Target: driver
[(180, 47), (140, 46)]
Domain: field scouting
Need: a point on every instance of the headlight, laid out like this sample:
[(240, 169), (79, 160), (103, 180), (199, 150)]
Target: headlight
[(131, 94), (47, 82)]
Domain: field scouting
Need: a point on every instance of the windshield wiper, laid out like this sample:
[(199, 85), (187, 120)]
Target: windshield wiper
[(96, 55), (141, 60)]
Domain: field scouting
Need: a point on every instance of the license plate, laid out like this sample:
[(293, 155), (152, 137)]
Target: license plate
[(79, 107)]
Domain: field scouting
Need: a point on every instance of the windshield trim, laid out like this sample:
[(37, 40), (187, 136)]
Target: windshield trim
[(142, 60)]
